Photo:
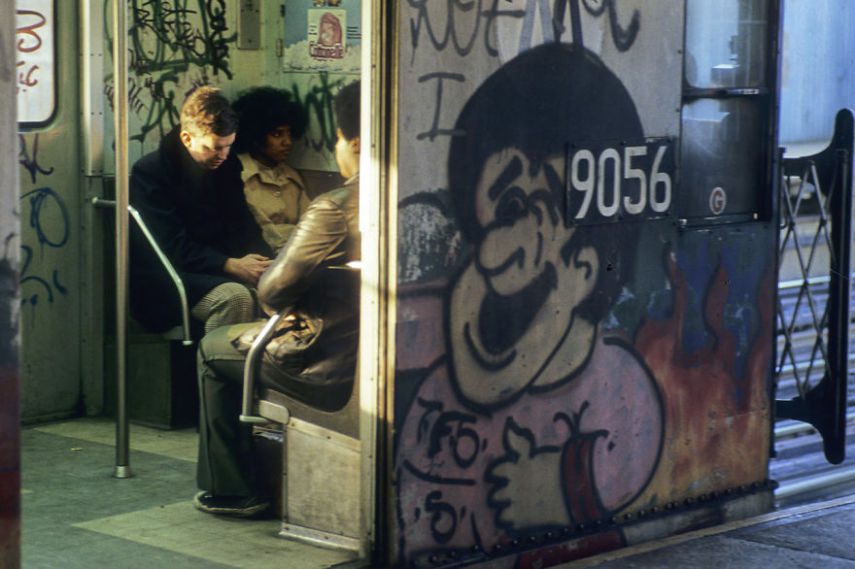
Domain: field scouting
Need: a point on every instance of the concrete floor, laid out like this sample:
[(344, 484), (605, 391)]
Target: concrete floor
[(76, 515), (811, 536)]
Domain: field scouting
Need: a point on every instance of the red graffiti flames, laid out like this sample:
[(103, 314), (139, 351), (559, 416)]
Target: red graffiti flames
[(717, 425)]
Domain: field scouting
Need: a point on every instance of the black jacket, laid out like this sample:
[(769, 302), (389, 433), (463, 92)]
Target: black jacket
[(310, 276), (199, 218)]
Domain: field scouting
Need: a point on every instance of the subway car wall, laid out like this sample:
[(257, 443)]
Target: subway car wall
[(10, 456), (584, 337), (66, 152)]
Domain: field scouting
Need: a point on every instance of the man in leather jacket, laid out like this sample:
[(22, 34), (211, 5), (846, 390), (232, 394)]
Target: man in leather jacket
[(306, 282), (189, 193)]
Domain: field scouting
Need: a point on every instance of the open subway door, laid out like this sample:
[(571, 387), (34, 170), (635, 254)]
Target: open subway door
[(586, 268)]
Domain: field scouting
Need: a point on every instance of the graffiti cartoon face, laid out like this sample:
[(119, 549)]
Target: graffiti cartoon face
[(523, 314), (528, 279)]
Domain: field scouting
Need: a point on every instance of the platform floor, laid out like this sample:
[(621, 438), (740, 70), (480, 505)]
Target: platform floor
[(76, 515), (811, 536)]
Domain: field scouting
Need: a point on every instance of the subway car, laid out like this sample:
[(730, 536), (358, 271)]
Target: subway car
[(501, 416)]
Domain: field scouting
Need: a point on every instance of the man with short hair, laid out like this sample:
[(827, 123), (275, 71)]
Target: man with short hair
[(309, 284), (189, 193)]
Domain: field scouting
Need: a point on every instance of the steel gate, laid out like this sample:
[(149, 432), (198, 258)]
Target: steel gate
[(813, 309)]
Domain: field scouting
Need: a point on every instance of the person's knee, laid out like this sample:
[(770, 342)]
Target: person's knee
[(229, 303), (232, 296)]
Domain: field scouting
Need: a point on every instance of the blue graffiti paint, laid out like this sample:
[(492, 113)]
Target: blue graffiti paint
[(30, 159), (41, 199)]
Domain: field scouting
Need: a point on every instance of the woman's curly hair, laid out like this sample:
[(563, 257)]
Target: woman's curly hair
[(262, 109)]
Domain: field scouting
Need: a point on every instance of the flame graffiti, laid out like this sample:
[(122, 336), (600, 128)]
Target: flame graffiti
[(716, 422)]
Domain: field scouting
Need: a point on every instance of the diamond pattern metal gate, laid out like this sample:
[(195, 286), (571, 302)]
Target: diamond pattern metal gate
[(813, 306)]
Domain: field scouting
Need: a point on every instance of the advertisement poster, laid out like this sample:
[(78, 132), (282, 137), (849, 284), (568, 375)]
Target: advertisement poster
[(323, 35), (34, 61), (326, 34)]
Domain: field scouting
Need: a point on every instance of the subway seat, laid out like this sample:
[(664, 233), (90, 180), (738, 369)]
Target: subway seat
[(320, 469)]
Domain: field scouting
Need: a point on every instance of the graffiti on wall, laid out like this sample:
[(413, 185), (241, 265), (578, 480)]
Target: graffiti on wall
[(533, 420), (317, 101), (174, 46), (46, 213), (541, 414)]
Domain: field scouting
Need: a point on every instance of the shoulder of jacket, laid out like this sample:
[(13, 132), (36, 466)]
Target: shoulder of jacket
[(338, 196)]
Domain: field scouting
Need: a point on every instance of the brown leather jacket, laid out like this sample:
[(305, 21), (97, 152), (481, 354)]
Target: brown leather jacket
[(310, 276)]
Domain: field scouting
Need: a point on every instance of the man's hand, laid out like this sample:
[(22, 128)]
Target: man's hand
[(248, 268)]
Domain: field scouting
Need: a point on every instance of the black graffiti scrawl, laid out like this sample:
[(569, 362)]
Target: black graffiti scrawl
[(534, 419)]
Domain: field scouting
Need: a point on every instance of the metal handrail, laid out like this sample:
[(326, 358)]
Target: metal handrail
[(251, 364), (167, 264)]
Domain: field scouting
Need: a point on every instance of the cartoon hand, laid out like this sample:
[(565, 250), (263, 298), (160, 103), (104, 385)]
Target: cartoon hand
[(526, 480)]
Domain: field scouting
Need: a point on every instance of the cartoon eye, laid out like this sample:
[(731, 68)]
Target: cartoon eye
[(511, 206)]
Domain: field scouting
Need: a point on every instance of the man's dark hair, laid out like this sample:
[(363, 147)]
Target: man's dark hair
[(207, 111), (346, 105), (547, 101), (261, 110)]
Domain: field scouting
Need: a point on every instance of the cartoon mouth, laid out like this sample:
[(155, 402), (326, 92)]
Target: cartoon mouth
[(504, 319)]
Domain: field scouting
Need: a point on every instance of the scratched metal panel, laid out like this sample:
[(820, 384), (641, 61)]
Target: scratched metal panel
[(10, 424), (51, 288), (565, 355), (249, 24)]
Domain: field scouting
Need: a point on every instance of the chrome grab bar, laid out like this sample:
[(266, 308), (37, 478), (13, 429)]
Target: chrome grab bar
[(173, 274), (251, 364)]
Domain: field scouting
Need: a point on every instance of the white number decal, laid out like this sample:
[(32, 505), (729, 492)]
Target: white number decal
[(586, 185), (611, 208), (588, 175), (658, 178), (634, 208)]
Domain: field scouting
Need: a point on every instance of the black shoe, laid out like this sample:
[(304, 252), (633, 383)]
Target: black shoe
[(238, 506)]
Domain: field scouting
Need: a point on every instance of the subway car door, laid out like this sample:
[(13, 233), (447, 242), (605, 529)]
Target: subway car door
[(58, 370), (586, 274)]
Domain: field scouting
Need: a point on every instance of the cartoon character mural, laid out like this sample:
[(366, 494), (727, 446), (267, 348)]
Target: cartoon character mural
[(534, 420)]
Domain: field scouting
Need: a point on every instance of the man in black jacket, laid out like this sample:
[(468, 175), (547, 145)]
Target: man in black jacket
[(307, 281), (189, 193)]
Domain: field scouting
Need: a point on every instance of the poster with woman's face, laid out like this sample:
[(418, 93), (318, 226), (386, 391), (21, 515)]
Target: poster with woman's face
[(323, 35), (327, 34)]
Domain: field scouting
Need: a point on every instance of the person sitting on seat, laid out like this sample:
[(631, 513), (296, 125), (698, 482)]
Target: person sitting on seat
[(308, 282), (189, 194), (269, 124)]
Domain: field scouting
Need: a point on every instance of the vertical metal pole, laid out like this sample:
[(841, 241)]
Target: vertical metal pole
[(120, 104)]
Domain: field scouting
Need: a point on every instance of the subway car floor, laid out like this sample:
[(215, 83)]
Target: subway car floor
[(75, 514)]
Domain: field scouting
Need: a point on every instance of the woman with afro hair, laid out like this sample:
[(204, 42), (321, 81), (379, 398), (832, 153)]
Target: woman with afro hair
[(270, 122)]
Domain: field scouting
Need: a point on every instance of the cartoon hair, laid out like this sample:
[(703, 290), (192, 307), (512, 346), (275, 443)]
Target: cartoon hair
[(207, 111), (547, 101), (263, 109)]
